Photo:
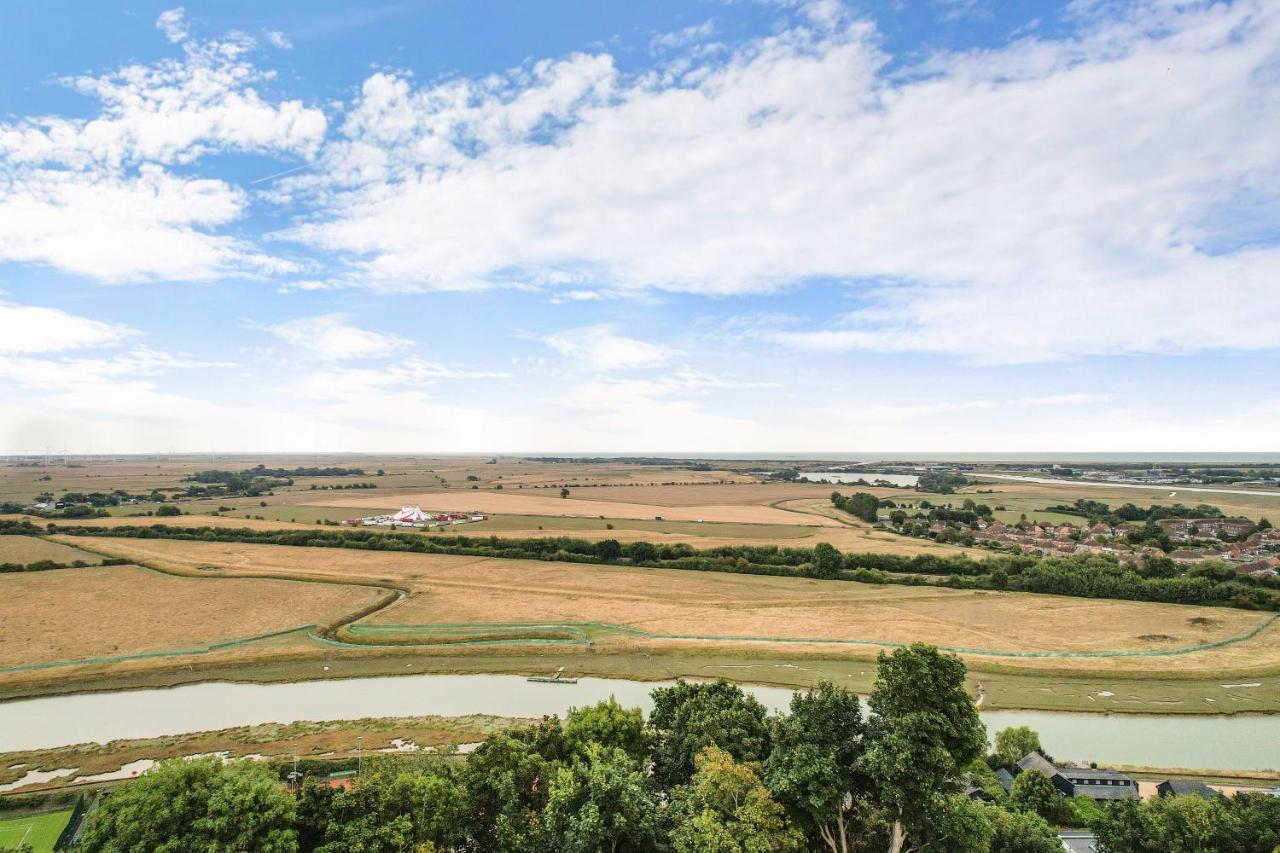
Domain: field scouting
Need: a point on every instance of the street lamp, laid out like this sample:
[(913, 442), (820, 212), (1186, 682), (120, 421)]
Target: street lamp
[(359, 754)]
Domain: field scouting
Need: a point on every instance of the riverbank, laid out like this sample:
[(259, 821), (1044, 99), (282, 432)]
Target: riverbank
[(1223, 744), (332, 742), (324, 746), (1002, 688)]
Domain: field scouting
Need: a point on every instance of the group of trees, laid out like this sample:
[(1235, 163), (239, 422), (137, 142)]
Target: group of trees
[(710, 771), (255, 481), (860, 505), (1096, 511), (941, 482)]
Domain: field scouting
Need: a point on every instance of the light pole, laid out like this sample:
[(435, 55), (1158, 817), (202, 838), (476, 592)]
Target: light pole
[(359, 754)]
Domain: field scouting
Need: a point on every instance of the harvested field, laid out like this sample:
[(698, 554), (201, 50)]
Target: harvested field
[(72, 614), (32, 549), (732, 610)]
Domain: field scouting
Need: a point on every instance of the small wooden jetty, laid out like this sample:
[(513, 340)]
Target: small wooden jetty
[(557, 678)]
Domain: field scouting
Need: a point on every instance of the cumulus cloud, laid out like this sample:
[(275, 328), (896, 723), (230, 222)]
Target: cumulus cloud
[(330, 336), (1053, 194), (279, 39), (173, 23), (601, 348), (33, 329), (98, 195)]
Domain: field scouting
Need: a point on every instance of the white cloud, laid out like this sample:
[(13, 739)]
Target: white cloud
[(682, 37), (95, 196), (32, 329), (330, 336), (600, 348), (1052, 195), (279, 39), (173, 23)]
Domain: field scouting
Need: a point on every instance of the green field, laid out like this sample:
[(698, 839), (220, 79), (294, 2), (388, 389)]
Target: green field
[(40, 831)]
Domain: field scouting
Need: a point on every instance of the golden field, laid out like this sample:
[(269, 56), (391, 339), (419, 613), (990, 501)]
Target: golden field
[(70, 614), (673, 603)]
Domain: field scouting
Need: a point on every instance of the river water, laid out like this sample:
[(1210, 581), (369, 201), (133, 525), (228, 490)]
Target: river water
[(1205, 742)]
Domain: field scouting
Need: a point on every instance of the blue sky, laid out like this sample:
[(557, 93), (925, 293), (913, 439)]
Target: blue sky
[(663, 226)]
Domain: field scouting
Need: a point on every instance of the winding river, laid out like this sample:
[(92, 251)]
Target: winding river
[(1204, 742)]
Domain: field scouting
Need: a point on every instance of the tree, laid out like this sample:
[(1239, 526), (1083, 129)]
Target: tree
[(813, 766), (607, 724), (393, 808), (313, 809), (1034, 792), (826, 562), (923, 728), (202, 805), (726, 809), (1014, 743), (602, 801), (564, 493), (506, 784), (609, 550), (956, 824), (687, 718), (168, 509), (1021, 832), (642, 552)]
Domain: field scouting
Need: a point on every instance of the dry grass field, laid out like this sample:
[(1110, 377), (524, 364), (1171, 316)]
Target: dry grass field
[(71, 614), (745, 612), (29, 549)]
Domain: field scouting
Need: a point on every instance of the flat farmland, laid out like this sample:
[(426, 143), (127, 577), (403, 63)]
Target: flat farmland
[(30, 549), (747, 613), (71, 614), (741, 504)]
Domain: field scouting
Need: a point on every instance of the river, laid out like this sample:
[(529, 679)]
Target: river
[(1205, 742)]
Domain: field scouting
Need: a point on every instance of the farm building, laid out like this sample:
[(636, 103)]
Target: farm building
[(1092, 782), (1185, 787)]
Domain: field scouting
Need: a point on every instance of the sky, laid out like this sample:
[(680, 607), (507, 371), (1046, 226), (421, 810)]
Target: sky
[(701, 226)]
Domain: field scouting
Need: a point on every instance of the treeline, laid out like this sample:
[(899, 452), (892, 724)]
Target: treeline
[(252, 482), (1098, 511), (47, 565), (1093, 576), (709, 771)]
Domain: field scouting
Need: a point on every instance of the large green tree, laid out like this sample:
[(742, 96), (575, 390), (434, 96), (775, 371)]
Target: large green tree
[(608, 724), (602, 801), (727, 809), (813, 766), (1014, 743), (201, 806), (1021, 832), (687, 718), (394, 808), (923, 729), (506, 782), (1034, 792)]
